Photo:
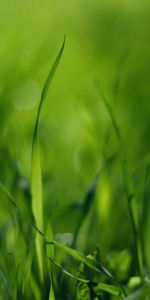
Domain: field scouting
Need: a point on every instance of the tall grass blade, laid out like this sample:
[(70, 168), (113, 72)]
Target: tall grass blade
[(127, 181), (36, 175)]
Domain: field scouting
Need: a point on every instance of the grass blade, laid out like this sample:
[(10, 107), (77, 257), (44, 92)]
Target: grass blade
[(9, 196), (36, 175), (145, 223), (127, 182), (111, 289), (89, 197), (51, 294), (91, 263), (62, 269)]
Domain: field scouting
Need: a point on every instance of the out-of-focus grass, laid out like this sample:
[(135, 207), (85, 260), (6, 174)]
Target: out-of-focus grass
[(108, 42)]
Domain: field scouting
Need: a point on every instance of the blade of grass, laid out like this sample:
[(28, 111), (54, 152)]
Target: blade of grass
[(127, 181), (51, 294), (28, 265), (18, 212), (111, 289), (144, 219), (50, 253), (35, 287), (18, 216), (89, 197), (91, 263), (7, 193), (36, 174), (62, 269)]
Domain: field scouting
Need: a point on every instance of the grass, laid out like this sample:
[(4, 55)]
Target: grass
[(36, 178), (74, 180), (44, 243)]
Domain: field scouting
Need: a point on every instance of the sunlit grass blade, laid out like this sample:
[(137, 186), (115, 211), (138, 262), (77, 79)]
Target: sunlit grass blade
[(51, 293), (128, 185), (37, 205), (36, 176), (111, 289), (50, 254)]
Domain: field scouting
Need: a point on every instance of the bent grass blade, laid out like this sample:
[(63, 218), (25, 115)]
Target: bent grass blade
[(91, 263), (36, 174)]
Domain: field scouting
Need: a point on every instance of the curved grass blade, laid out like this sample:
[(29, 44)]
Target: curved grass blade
[(128, 185), (45, 89), (36, 175), (62, 269), (91, 263), (111, 289)]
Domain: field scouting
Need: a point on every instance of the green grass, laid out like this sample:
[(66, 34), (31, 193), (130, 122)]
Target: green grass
[(74, 158), (36, 178)]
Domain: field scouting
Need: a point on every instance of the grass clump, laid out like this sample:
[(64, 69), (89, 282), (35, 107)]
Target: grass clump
[(53, 248)]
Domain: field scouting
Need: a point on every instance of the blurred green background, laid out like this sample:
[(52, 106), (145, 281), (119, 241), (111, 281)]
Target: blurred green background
[(108, 42)]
